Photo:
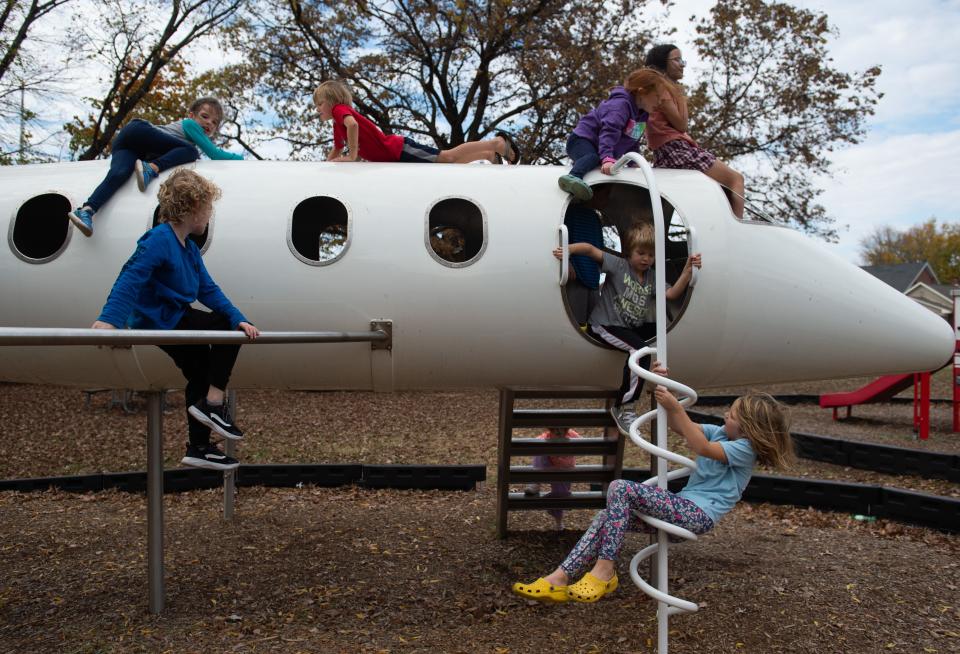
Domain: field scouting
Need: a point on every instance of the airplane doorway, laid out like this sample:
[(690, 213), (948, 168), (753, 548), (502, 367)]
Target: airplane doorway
[(613, 210)]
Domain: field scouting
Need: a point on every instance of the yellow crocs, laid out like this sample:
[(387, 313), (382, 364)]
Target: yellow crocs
[(589, 589), (542, 591)]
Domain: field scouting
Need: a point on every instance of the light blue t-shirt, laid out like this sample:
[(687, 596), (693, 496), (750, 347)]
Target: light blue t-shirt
[(716, 487)]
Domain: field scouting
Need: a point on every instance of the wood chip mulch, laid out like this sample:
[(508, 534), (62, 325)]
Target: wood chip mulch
[(357, 570)]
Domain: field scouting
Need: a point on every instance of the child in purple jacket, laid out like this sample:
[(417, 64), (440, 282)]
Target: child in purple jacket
[(604, 135)]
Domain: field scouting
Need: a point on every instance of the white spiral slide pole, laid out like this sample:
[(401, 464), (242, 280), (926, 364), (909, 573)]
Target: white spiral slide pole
[(666, 604)]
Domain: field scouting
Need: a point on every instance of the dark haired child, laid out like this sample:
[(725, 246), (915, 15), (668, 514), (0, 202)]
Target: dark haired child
[(150, 149)]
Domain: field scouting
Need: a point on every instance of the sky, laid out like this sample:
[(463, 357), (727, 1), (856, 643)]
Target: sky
[(901, 174)]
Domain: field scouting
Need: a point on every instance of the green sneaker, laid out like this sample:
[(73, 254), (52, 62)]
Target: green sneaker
[(575, 187)]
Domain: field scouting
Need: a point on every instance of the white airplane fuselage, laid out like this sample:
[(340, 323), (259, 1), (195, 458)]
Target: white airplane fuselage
[(770, 304)]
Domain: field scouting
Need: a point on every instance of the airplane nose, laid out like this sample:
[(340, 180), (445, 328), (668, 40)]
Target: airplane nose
[(793, 311)]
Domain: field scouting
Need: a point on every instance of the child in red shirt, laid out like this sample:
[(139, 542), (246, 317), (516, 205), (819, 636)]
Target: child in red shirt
[(364, 140)]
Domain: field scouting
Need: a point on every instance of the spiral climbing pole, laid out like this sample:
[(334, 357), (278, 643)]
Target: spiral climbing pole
[(667, 605)]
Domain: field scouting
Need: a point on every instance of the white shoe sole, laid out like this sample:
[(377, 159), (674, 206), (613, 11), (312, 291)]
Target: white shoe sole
[(620, 427), (199, 415), (194, 462), (139, 168)]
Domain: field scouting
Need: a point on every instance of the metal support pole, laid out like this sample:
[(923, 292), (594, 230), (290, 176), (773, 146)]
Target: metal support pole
[(955, 294), (155, 500), (230, 449), (659, 229), (924, 432)]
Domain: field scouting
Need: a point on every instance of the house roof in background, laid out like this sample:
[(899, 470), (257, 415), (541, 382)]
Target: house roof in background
[(901, 276)]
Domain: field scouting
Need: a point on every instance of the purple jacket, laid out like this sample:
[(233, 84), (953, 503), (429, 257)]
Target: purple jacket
[(615, 126)]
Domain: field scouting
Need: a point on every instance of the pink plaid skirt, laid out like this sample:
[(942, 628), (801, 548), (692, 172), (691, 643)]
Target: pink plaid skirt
[(681, 153)]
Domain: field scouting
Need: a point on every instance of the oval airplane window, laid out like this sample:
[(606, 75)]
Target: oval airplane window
[(456, 232), (202, 240), (319, 232), (41, 230)]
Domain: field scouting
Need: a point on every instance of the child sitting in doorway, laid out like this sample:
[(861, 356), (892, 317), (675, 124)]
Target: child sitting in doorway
[(557, 488), (150, 149), (626, 313), (364, 140)]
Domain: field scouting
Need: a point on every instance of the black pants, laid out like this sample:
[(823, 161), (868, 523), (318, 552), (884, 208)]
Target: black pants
[(202, 365), (628, 340)]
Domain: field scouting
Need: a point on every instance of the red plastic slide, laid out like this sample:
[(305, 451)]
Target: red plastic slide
[(879, 390)]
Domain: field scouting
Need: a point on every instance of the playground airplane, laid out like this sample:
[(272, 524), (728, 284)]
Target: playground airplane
[(458, 259)]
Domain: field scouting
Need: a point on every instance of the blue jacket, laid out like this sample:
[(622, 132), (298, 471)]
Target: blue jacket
[(159, 281), (615, 126)]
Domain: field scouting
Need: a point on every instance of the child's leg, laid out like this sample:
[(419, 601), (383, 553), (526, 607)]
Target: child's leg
[(628, 340), (222, 357), (135, 141), (733, 180), (192, 360), (474, 151), (587, 549), (168, 150), (626, 497), (584, 155), (122, 162)]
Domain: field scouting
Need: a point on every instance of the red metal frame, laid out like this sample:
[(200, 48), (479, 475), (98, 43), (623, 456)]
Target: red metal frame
[(956, 388)]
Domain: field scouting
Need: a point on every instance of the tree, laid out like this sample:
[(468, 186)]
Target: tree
[(16, 19), (937, 245), (25, 74), (771, 96), (445, 72), (136, 53)]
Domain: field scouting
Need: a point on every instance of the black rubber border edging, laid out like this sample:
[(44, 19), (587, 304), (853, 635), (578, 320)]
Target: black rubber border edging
[(889, 459), (911, 507), (421, 477)]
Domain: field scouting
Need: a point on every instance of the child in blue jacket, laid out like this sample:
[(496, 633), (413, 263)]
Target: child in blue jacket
[(155, 290), (603, 135), (150, 149)]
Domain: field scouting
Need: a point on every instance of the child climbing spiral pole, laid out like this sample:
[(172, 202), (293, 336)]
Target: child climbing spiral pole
[(664, 601)]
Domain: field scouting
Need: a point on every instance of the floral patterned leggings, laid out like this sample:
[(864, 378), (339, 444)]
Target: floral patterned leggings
[(604, 538)]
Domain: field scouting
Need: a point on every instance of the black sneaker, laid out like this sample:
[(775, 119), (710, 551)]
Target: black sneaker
[(208, 456), (216, 418)]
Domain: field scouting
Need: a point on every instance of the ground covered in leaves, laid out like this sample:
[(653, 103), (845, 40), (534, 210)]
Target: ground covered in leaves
[(356, 570)]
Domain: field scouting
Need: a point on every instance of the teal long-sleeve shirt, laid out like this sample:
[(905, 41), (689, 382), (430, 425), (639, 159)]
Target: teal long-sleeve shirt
[(159, 281), (199, 138)]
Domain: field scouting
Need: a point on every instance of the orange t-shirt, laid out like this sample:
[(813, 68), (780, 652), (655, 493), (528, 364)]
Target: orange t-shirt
[(659, 129)]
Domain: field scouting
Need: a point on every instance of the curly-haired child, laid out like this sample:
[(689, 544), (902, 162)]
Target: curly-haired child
[(155, 290)]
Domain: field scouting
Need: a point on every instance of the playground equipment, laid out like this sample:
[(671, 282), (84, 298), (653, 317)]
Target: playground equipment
[(667, 604), (882, 390), (955, 293)]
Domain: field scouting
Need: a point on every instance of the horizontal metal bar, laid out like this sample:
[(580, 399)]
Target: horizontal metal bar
[(67, 336)]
